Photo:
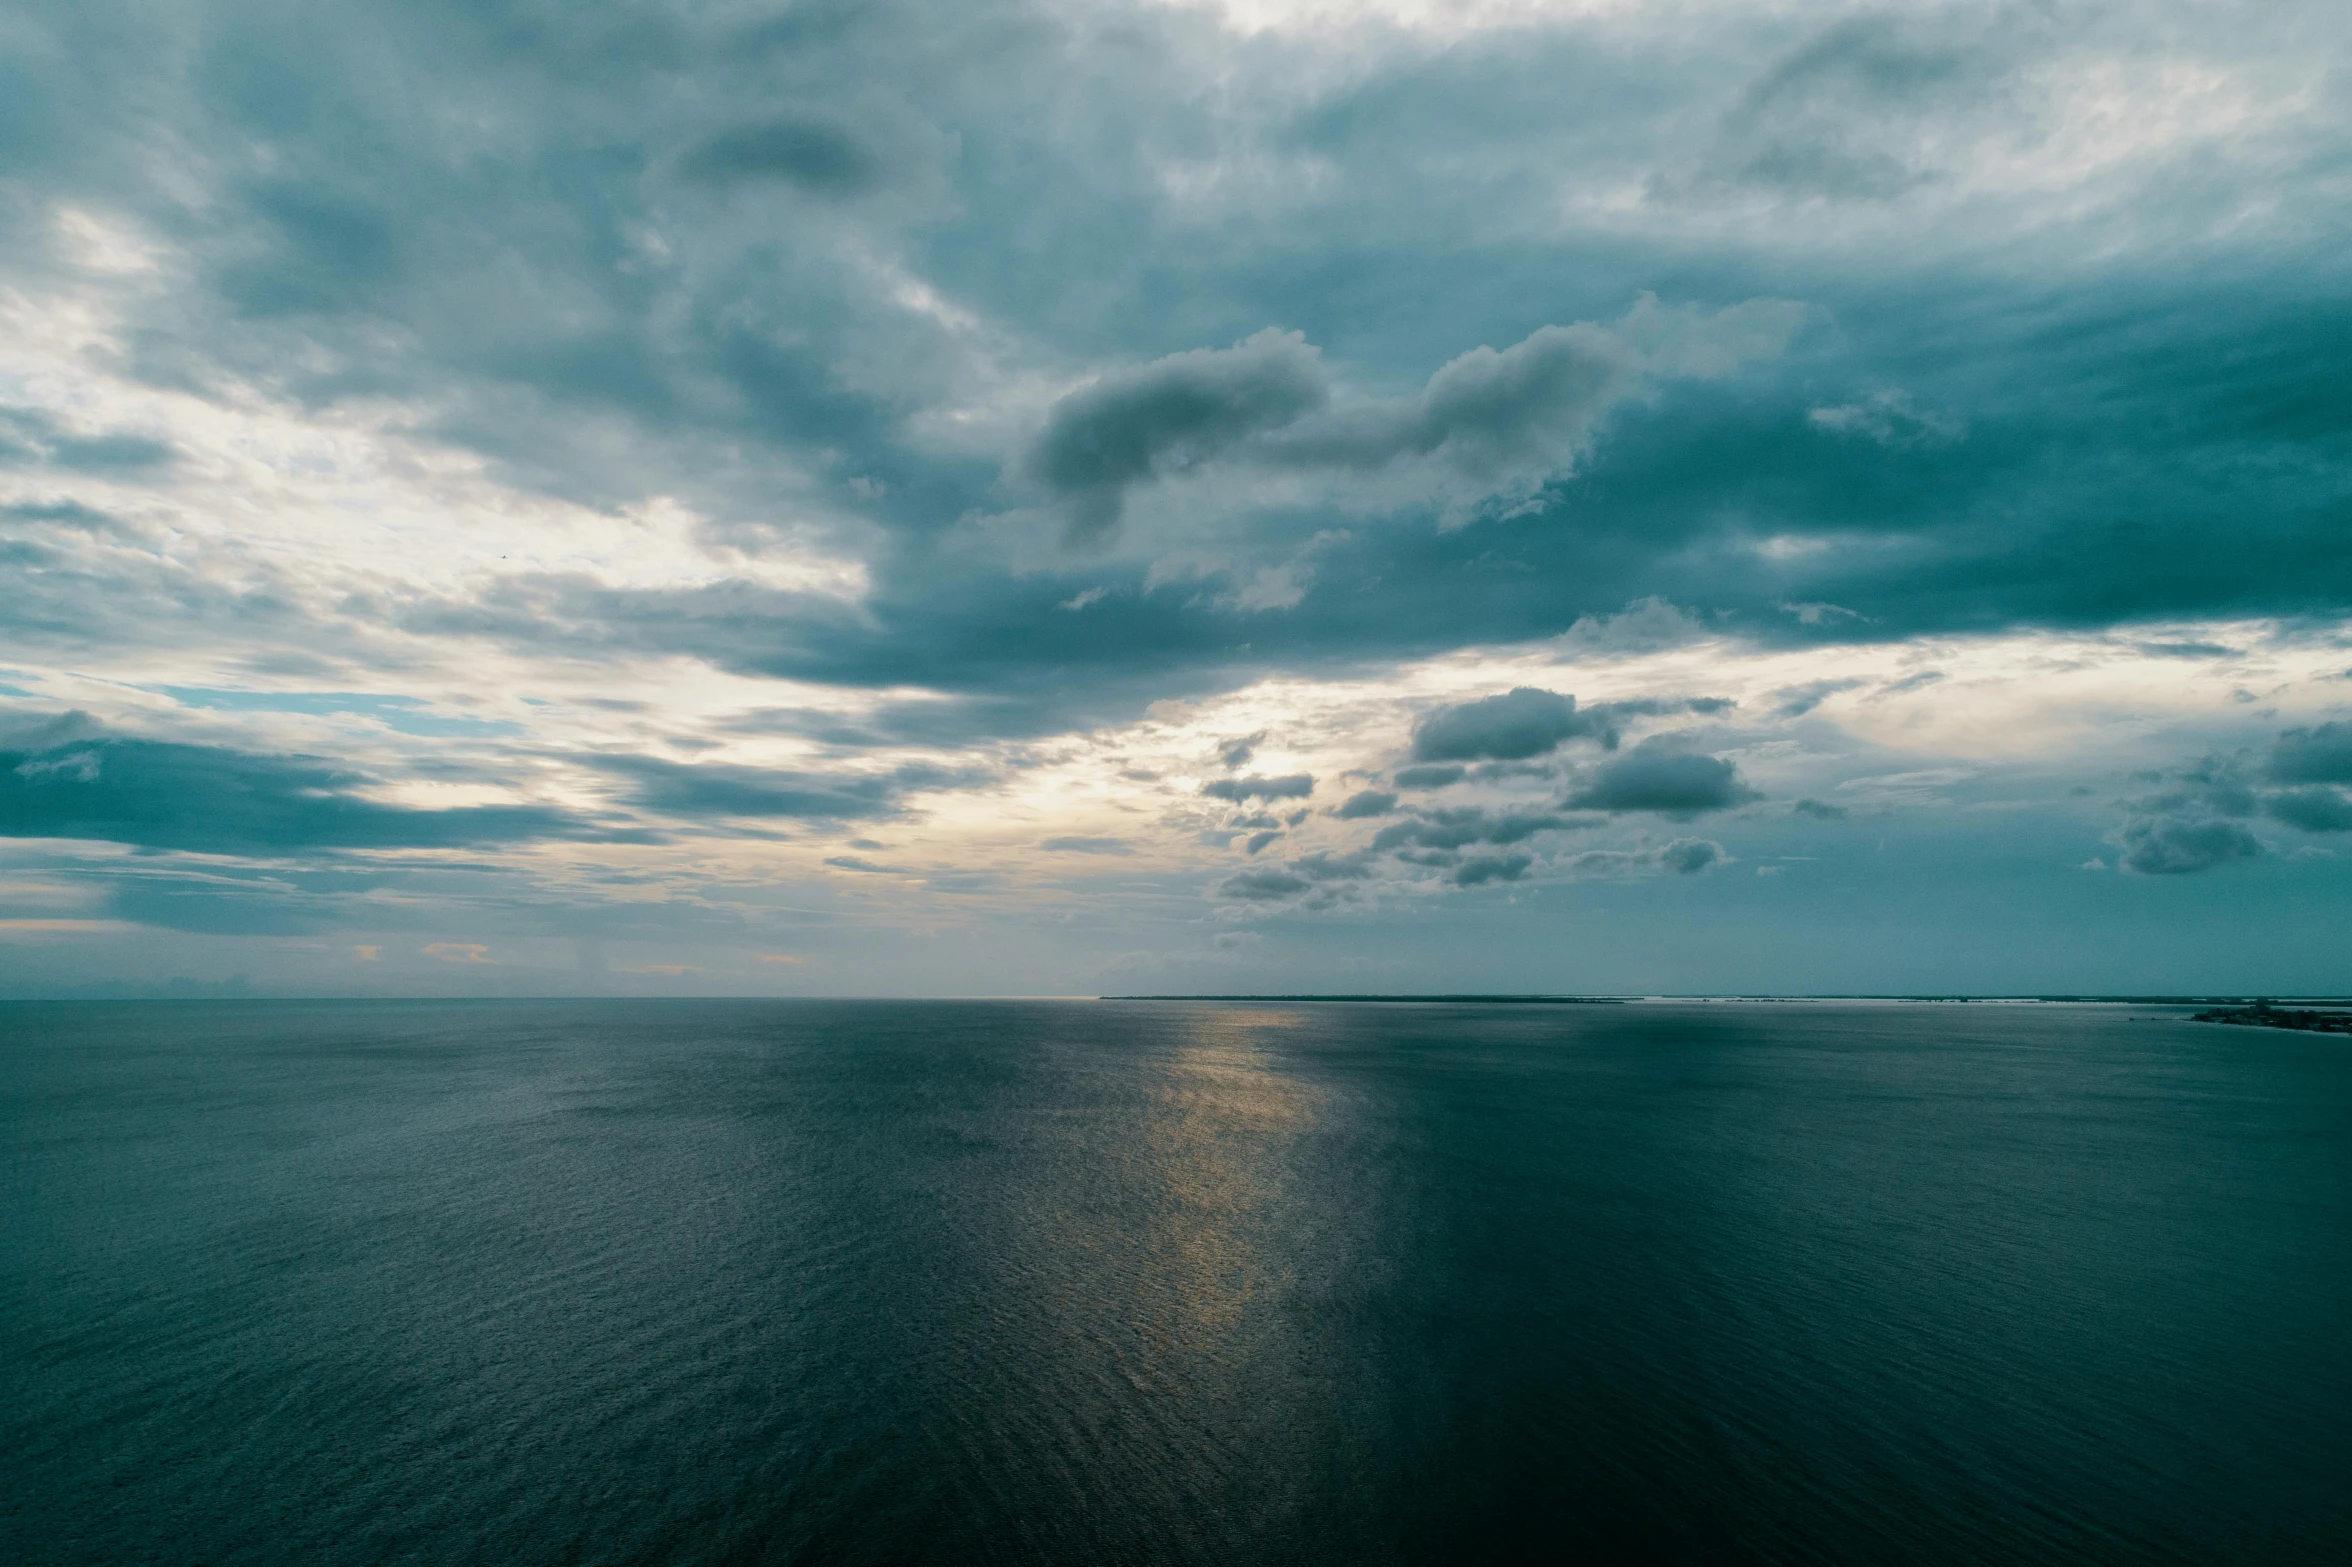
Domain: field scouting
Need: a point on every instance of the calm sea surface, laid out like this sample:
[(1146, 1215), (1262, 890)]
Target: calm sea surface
[(685, 1282)]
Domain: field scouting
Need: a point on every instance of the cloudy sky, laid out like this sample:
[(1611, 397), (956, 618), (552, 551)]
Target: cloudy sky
[(1048, 496)]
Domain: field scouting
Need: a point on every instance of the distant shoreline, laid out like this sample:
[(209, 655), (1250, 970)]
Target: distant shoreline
[(2263, 1015), (1548, 1000)]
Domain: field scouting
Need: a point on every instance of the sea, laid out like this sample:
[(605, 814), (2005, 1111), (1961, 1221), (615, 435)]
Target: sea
[(1104, 1282)]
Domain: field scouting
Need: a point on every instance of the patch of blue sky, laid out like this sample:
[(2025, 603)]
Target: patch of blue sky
[(406, 715)]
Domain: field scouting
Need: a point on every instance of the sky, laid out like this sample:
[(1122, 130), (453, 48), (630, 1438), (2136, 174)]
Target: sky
[(913, 497)]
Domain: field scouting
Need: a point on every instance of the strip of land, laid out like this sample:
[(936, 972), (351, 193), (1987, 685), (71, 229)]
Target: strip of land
[(2263, 1015), (1551, 1001)]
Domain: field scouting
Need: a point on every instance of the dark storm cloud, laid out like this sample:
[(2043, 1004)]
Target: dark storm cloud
[(1165, 417), (1430, 777), (1366, 802), (1482, 412), (161, 795), (1661, 775), (1494, 420), (2319, 755), (1294, 786)]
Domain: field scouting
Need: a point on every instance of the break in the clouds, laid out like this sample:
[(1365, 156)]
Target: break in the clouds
[(1005, 494)]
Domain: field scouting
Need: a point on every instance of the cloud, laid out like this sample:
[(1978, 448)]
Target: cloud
[(1488, 422), (1168, 416), (1429, 777), (1485, 413), (2179, 826), (159, 794), (1501, 422), (2176, 846), (1366, 802), (1465, 825), (1847, 114), (458, 951), (1682, 857), (1526, 722), (1520, 723), (715, 789), (2314, 809), (1237, 752), (1889, 418), (1319, 877), (809, 153), (2195, 820), (1268, 885), (1689, 856), (1113, 846), (1478, 870), (2318, 755), (1294, 786), (1661, 775), (34, 438), (1820, 810), (1797, 701)]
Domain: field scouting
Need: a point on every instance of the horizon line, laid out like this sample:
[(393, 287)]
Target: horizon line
[(1592, 998)]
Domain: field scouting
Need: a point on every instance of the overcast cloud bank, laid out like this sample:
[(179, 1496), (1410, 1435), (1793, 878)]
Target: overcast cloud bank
[(1042, 481)]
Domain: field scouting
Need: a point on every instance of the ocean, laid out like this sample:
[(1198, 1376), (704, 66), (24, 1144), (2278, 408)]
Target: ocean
[(651, 1282)]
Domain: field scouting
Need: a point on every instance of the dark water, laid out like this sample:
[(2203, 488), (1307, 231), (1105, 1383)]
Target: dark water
[(1104, 1283)]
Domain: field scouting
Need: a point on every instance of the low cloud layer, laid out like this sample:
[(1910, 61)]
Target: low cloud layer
[(154, 794)]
